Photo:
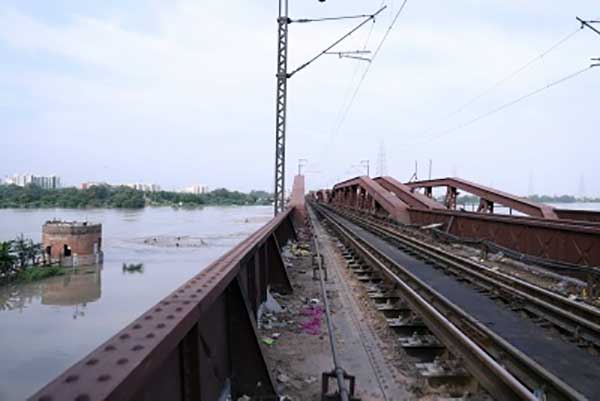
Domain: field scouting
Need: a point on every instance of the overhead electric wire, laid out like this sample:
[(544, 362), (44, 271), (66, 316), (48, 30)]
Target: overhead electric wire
[(366, 71), (304, 20), (588, 24), (506, 105), (338, 41), (514, 73), (348, 91), (346, 106), (354, 74), (503, 80)]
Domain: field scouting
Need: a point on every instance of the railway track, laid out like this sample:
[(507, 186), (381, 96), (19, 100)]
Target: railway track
[(519, 341), (578, 320)]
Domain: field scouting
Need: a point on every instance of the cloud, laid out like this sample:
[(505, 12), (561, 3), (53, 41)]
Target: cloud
[(188, 96)]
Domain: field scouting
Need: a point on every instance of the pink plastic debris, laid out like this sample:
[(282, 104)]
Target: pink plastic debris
[(313, 325)]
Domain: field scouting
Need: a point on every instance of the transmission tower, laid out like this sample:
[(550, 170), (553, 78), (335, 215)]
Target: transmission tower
[(381, 160)]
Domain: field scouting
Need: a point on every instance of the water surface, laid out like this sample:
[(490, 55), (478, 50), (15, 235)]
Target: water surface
[(48, 325)]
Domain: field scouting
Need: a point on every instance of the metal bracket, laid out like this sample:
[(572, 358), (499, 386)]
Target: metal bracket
[(355, 54), (316, 268), (326, 396)]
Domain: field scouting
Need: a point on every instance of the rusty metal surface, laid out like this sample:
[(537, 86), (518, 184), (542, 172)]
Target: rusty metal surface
[(490, 195), (550, 239), (196, 341), (362, 193), (579, 215), (324, 195), (297, 200), (404, 193)]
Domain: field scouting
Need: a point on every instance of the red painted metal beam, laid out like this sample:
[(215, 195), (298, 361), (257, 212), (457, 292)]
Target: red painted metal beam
[(406, 195), (297, 201), (579, 215), (565, 241), (491, 195), (363, 193)]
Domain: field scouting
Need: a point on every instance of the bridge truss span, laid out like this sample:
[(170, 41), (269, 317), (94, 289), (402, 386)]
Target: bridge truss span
[(365, 194), (488, 197)]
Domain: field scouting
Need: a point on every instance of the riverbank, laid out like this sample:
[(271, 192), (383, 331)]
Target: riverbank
[(121, 197)]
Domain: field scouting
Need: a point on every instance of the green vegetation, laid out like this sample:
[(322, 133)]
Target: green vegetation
[(217, 197), (23, 260), (560, 199), (33, 273), (32, 196)]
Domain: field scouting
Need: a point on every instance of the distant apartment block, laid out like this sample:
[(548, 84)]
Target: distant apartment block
[(196, 189), (145, 187), (46, 182)]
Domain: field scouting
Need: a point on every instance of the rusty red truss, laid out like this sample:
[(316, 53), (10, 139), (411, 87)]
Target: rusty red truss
[(565, 241), (364, 194), (569, 236), (406, 194), (578, 215), (488, 197)]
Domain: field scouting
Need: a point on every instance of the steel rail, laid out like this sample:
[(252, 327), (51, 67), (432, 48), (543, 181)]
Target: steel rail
[(492, 375), (337, 367), (580, 313), (582, 318), (466, 337)]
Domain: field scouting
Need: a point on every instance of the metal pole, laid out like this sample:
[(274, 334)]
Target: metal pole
[(281, 106), (283, 22), (301, 163), (339, 371)]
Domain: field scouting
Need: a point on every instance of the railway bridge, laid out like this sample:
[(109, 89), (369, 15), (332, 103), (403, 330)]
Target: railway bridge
[(478, 303)]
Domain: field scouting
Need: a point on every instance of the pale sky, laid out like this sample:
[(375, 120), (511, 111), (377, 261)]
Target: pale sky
[(182, 92)]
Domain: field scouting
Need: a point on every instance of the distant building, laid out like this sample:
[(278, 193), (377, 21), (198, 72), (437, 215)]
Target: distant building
[(72, 243), (145, 187), (196, 189), (46, 182)]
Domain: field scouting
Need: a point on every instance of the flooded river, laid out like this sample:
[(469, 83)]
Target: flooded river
[(48, 325)]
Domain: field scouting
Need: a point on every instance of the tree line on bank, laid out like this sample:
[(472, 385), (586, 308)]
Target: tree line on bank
[(33, 196), (22, 259)]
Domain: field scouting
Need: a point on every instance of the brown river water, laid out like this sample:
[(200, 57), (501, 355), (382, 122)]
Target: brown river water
[(48, 325)]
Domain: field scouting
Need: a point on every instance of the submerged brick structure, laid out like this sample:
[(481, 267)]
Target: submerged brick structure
[(72, 243)]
